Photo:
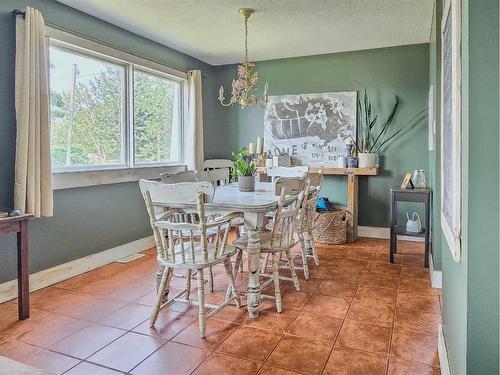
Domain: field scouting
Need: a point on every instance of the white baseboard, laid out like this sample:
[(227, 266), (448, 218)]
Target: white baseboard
[(444, 363), (436, 276), (50, 276), (384, 233)]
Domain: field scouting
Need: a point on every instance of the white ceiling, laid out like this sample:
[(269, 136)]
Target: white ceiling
[(212, 30)]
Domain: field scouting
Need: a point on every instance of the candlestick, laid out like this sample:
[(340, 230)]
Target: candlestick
[(251, 148), (260, 148)]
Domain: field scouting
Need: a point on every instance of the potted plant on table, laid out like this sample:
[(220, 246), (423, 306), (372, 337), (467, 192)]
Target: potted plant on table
[(244, 170), (373, 137)]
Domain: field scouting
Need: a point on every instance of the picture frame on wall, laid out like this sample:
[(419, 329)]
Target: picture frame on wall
[(451, 192), (431, 131)]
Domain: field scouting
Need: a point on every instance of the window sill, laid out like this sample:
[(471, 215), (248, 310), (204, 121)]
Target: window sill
[(70, 180)]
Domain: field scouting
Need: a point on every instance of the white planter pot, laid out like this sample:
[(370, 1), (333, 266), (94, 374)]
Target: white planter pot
[(282, 161), (366, 160), (246, 183)]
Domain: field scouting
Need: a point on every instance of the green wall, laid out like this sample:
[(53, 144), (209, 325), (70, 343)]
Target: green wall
[(471, 287), (402, 71), (86, 220)]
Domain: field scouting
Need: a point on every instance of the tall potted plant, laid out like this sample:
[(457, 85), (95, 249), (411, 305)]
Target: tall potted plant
[(373, 137), (244, 170)]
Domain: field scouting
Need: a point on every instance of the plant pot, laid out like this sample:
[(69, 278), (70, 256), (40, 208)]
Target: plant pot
[(246, 183), (366, 160), (352, 162), (282, 161)]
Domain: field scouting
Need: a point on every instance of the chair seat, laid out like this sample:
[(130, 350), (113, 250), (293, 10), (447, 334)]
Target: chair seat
[(265, 242), (198, 263)]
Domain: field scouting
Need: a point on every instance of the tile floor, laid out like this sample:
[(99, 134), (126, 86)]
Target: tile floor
[(358, 314)]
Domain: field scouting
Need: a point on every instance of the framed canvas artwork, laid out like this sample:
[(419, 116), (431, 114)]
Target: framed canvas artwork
[(451, 127), (311, 128)]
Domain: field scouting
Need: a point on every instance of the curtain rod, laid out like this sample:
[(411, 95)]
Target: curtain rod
[(21, 13)]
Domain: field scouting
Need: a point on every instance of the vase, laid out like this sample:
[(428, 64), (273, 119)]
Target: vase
[(246, 183), (366, 160), (352, 162)]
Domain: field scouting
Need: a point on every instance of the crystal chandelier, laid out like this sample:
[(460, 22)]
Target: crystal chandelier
[(246, 83)]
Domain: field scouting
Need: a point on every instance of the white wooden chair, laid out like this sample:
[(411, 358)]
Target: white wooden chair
[(193, 251), (280, 240), (175, 178), (175, 191), (217, 163), (217, 176)]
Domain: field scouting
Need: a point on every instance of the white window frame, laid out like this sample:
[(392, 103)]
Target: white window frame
[(70, 177), (452, 231)]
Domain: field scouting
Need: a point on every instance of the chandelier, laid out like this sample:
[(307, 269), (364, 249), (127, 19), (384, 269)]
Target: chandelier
[(246, 82)]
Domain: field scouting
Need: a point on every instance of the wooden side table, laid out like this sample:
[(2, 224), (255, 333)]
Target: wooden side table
[(409, 195), (19, 225)]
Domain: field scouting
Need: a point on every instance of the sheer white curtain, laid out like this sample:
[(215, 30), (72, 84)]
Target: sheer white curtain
[(33, 175), (193, 141)]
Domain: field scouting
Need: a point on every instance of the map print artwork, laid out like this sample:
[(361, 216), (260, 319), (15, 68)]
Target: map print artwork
[(311, 128)]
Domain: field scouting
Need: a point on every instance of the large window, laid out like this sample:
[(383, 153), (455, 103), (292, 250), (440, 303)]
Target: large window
[(108, 112)]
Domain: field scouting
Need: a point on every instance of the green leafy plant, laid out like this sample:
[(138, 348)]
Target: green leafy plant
[(374, 137), (243, 164)]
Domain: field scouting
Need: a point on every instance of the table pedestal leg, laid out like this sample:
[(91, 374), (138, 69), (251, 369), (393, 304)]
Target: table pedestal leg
[(252, 224)]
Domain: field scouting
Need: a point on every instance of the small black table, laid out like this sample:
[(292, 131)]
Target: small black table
[(423, 195)]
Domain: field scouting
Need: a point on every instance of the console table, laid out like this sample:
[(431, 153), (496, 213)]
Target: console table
[(397, 194), (19, 225), (352, 190)]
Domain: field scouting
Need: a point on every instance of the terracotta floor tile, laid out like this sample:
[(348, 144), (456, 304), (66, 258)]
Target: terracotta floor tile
[(384, 268), (76, 282), (345, 361), (17, 350), (403, 367), (108, 270), (377, 279), (221, 364), (308, 325), (232, 314), (411, 247), (381, 257), (41, 296), (172, 358), (13, 328), (127, 317), (318, 272), (417, 286), (415, 272), (352, 264), (359, 253), (271, 320), (299, 354), (413, 259), (328, 256), (87, 341), (423, 303), (49, 333), (376, 295), (65, 304), (326, 305), (292, 300), (216, 332), (416, 320), (337, 289), (127, 351), (345, 275), (371, 313), (415, 346), (270, 370), (85, 368), (364, 336), (250, 343), (168, 324), (51, 362)]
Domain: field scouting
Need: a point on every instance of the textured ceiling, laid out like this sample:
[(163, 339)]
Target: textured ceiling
[(212, 30)]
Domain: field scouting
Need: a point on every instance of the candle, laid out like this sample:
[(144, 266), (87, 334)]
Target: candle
[(259, 145), (251, 148)]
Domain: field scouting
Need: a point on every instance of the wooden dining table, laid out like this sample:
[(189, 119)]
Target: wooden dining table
[(254, 206)]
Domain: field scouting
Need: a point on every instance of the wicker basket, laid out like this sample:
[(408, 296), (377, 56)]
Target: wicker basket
[(330, 227)]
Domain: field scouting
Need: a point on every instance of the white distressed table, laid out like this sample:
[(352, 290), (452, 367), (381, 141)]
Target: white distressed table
[(254, 206)]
